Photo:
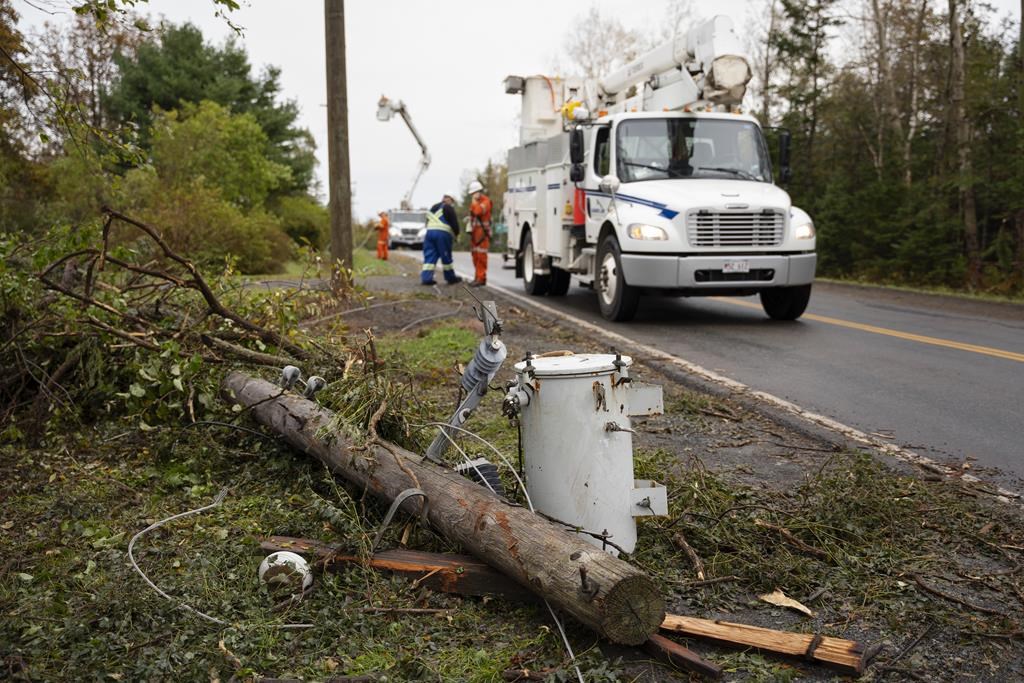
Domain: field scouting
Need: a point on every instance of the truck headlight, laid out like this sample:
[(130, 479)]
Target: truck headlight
[(394, 232), (804, 231), (422, 233), (642, 231)]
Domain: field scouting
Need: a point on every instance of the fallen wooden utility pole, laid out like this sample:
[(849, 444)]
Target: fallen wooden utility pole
[(604, 593), (845, 654)]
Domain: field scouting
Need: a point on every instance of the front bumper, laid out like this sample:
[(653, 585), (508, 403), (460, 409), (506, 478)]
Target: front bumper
[(407, 240), (697, 272)]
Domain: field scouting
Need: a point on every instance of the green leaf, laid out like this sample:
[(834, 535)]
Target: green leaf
[(136, 390)]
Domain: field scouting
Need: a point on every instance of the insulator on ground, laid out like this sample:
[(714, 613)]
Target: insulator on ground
[(486, 361)]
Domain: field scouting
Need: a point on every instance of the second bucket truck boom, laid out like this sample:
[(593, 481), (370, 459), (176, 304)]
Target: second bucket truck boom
[(408, 226), (650, 181)]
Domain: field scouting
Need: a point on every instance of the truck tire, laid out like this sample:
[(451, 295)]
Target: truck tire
[(534, 283), (618, 300), (560, 280), (785, 303)]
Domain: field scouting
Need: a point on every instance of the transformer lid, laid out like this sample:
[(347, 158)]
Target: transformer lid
[(576, 365)]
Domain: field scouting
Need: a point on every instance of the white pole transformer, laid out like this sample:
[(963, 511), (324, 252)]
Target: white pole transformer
[(574, 410)]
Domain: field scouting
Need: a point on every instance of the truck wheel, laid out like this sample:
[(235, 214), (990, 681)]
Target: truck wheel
[(618, 300), (559, 282), (785, 303), (534, 283)]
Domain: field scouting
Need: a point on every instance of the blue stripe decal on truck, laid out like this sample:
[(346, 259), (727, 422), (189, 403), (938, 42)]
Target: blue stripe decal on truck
[(662, 208), (554, 186)]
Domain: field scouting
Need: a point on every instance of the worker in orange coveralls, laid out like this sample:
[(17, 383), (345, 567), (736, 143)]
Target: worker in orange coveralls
[(383, 236), (480, 233)]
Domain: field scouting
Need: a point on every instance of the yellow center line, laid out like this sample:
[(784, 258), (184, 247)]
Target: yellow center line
[(934, 341)]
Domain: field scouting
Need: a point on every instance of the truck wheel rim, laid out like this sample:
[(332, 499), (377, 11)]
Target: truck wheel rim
[(609, 280), (528, 261)]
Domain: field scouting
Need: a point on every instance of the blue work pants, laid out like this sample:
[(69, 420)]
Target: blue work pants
[(438, 245)]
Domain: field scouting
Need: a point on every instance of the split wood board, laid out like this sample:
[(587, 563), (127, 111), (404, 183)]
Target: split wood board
[(846, 654)]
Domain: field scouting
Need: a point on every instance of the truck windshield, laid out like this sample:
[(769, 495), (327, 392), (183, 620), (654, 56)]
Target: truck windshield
[(407, 217), (656, 149)]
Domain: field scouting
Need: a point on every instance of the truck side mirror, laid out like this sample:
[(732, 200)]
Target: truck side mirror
[(609, 184), (785, 172), (576, 173), (576, 145)]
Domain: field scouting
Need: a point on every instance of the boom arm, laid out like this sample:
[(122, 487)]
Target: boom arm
[(385, 110), (705, 63)]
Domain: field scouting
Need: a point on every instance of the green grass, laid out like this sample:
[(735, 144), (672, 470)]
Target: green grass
[(431, 350), (75, 610)]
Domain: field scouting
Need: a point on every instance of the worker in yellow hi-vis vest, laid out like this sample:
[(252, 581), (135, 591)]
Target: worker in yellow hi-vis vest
[(442, 227)]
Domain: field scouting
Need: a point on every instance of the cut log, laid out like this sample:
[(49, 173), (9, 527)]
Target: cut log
[(442, 572), (618, 601), (845, 654)]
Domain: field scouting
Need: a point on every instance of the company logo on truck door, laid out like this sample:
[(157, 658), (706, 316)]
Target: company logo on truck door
[(662, 208)]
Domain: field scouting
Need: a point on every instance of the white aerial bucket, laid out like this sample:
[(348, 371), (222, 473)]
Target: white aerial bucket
[(578, 445)]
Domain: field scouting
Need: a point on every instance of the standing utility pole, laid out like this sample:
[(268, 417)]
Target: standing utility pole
[(339, 182)]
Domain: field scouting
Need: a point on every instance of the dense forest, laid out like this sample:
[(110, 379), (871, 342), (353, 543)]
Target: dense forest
[(910, 152)]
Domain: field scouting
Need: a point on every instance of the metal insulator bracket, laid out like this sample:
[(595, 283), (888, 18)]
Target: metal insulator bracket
[(397, 503)]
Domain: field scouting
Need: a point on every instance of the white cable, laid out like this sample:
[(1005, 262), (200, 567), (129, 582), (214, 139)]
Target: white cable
[(522, 487), (469, 462), (504, 460), (156, 525)]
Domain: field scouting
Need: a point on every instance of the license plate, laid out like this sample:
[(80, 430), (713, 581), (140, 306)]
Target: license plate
[(736, 267)]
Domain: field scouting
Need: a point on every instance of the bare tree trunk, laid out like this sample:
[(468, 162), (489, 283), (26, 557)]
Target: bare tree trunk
[(915, 52), (766, 73), (339, 181), (963, 143), (1019, 265), (603, 592)]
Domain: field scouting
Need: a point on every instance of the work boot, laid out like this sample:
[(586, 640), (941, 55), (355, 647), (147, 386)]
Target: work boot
[(428, 284), (477, 283), (456, 281)]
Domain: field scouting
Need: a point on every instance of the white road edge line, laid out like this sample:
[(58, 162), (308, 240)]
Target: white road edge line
[(852, 433)]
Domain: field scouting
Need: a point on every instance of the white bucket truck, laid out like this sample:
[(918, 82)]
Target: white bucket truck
[(650, 181)]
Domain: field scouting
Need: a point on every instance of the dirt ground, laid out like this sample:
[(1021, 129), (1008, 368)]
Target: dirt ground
[(922, 570)]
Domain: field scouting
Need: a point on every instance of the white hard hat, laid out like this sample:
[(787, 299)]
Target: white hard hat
[(475, 186)]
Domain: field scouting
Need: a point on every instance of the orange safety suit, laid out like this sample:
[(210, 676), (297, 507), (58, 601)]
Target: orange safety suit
[(480, 235), (382, 237)]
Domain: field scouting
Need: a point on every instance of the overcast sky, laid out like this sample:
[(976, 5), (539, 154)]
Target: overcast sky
[(445, 60)]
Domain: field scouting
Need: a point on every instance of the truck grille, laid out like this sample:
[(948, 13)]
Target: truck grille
[(735, 228)]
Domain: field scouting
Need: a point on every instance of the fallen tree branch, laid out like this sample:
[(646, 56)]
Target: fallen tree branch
[(679, 541), (952, 598), (792, 540), (199, 284), (247, 354)]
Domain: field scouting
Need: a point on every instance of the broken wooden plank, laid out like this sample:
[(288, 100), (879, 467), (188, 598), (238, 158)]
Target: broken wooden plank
[(618, 600), (446, 573), (673, 653), (838, 652)]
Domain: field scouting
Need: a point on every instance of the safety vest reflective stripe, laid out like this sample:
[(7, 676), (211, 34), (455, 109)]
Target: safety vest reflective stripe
[(434, 221)]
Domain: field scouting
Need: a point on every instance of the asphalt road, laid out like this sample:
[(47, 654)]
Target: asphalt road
[(942, 376)]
